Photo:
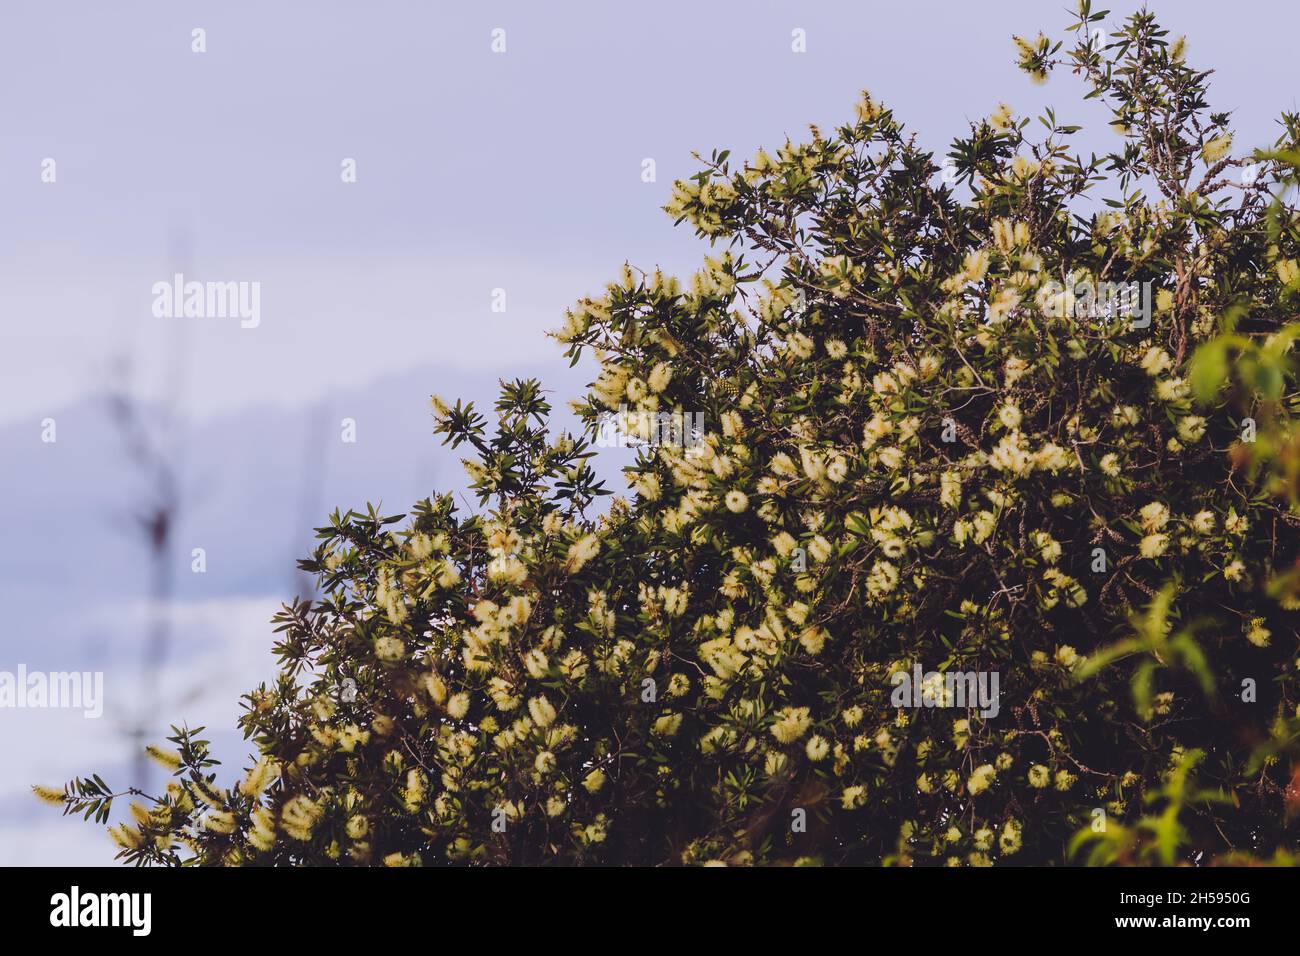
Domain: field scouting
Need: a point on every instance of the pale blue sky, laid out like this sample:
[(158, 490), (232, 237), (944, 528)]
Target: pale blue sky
[(476, 170)]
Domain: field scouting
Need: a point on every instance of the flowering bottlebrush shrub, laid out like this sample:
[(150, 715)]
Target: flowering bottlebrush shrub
[(921, 448)]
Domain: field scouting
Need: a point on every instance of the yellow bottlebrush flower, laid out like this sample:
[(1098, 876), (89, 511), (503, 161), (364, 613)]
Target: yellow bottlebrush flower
[(323, 708), (667, 725), (660, 376), (648, 487), (1039, 776), (950, 489), (594, 781), (799, 345), (791, 723), (854, 797), (889, 457), (170, 759), (783, 465), (882, 579), (536, 663), (1011, 454), (1023, 168), (783, 543), (299, 815), (1171, 389), (48, 794), (1014, 370), (458, 705), (1257, 633), (732, 423), (1009, 840), (1156, 361), (1154, 545), (1049, 549), (812, 639), (506, 570), (981, 779), (580, 552), (436, 688), (876, 428), (797, 612), (867, 109), (414, 791), (209, 793), (1052, 457), (262, 833), (541, 711), (351, 735), (126, 836), (1032, 56), (220, 821), (1191, 428), (1154, 516), (817, 748), (736, 501), (1216, 149), (814, 467)]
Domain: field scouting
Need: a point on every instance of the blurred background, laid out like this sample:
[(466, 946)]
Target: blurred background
[(475, 171)]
